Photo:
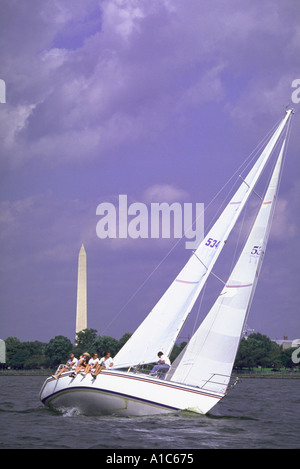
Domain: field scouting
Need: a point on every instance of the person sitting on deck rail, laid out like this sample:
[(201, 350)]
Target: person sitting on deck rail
[(93, 362), (163, 365), (82, 363), (70, 365), (105, 362)]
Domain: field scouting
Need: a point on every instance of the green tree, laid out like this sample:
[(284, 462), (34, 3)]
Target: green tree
[(123, 340), (36, 362), (176, 351), (106, 343), (16, 353), (244, 357), (12, 346), (286, 358), (85, 341), (20, 354), (58, 350), (88, 341), (19, 358), (257, 350)]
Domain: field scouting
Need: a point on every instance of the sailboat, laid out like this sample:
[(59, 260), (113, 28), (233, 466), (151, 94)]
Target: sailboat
[(200, 377)]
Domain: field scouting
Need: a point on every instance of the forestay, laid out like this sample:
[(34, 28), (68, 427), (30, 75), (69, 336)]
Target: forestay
[(162, 325), (210, 354)]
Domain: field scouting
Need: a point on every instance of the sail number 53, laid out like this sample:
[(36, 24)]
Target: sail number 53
[(256, 250), (213, 243)]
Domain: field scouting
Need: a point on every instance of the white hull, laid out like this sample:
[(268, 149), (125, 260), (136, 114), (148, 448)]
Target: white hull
[(123, 393)]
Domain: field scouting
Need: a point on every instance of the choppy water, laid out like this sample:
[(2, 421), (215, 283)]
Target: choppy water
[(257, 413)]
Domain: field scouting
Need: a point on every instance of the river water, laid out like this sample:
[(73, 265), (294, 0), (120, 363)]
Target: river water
[(257, 413)]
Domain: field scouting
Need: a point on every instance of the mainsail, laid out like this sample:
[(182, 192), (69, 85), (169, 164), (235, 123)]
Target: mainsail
[(161, 327), (210, 354)]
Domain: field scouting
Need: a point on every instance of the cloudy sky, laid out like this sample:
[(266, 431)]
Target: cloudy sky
[(157, 100)]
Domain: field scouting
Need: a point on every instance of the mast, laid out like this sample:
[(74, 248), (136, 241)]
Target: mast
[(161, 327)]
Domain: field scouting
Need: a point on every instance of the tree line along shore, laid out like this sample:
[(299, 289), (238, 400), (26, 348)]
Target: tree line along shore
[(257, 354)]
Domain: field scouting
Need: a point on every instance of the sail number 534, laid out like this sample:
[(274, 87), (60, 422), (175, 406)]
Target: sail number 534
[(213, 243)]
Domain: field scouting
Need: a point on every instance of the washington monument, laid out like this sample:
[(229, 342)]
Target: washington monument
[(81, 311)]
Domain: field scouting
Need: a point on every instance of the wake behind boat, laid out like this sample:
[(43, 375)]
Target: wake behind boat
[(201, 375)]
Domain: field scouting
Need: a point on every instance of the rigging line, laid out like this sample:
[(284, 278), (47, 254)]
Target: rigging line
[(261, 198), (208, 331), (249, 187), (246, 162), (181, 239), (199, 309), (141, 286), (238, 239), (188, 367), (211, 272), (275, 200), (260, 145), (286, 136)]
